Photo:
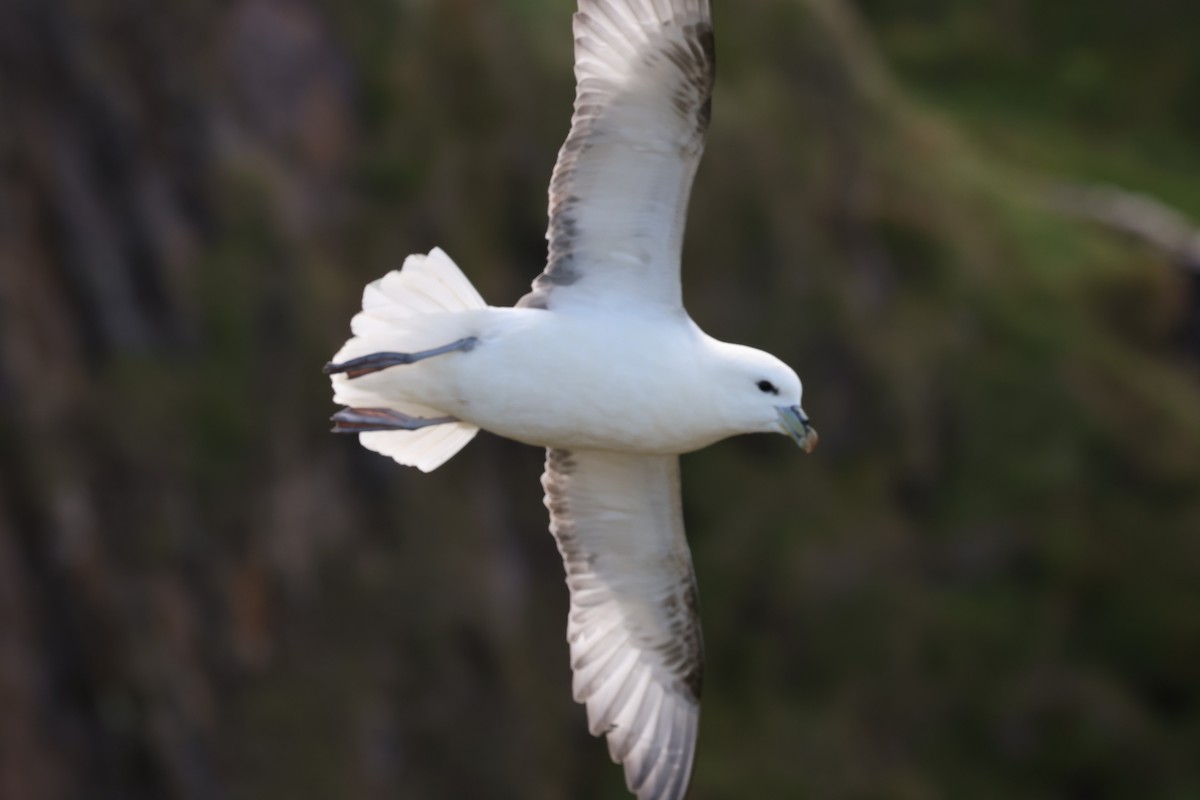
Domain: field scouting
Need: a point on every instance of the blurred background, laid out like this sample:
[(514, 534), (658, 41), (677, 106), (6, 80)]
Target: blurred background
[(967, 223)]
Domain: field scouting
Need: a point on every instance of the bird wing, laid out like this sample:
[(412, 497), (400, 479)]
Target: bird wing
[(634, 625), (644, 74)]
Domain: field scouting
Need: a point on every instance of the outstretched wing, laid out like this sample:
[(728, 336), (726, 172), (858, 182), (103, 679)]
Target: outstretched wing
[(644, 71), (634, 625)]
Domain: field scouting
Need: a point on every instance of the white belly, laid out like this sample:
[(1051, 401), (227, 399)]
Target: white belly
[(578, 382)]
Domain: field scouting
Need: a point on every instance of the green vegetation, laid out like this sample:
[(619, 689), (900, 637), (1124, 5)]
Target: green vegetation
[(984, 584)]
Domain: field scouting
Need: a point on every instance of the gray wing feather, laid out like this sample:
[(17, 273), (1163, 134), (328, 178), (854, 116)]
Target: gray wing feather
[(634, 625), (618, 196)]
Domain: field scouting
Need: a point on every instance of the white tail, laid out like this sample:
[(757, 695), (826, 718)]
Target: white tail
[(425, 284), (391, 312)]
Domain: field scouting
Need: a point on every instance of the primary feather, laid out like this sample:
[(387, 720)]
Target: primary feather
[(634, 625), (619, 193)]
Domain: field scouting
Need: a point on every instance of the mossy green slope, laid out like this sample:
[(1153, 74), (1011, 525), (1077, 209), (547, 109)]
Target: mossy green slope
[(984, 584)]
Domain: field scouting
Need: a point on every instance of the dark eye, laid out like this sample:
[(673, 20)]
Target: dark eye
[(767, 387)]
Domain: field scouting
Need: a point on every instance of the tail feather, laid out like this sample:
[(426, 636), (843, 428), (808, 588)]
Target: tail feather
[(426, 449), (392, 312), (425, 284)]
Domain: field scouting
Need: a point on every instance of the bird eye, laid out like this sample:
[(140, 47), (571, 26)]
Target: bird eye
[(767, 387)]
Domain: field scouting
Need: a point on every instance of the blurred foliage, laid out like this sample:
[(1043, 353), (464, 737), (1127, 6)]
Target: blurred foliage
[(1097, 89), (985, 583), (1099, 62)]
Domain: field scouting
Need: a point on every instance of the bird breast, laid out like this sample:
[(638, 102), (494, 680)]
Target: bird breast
[(578, 381)]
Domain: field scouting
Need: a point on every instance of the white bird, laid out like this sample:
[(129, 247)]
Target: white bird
[(601, 365)]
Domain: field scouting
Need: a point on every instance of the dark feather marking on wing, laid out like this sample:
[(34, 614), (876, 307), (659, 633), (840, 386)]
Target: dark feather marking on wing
[(685, 651), (696, 60)]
